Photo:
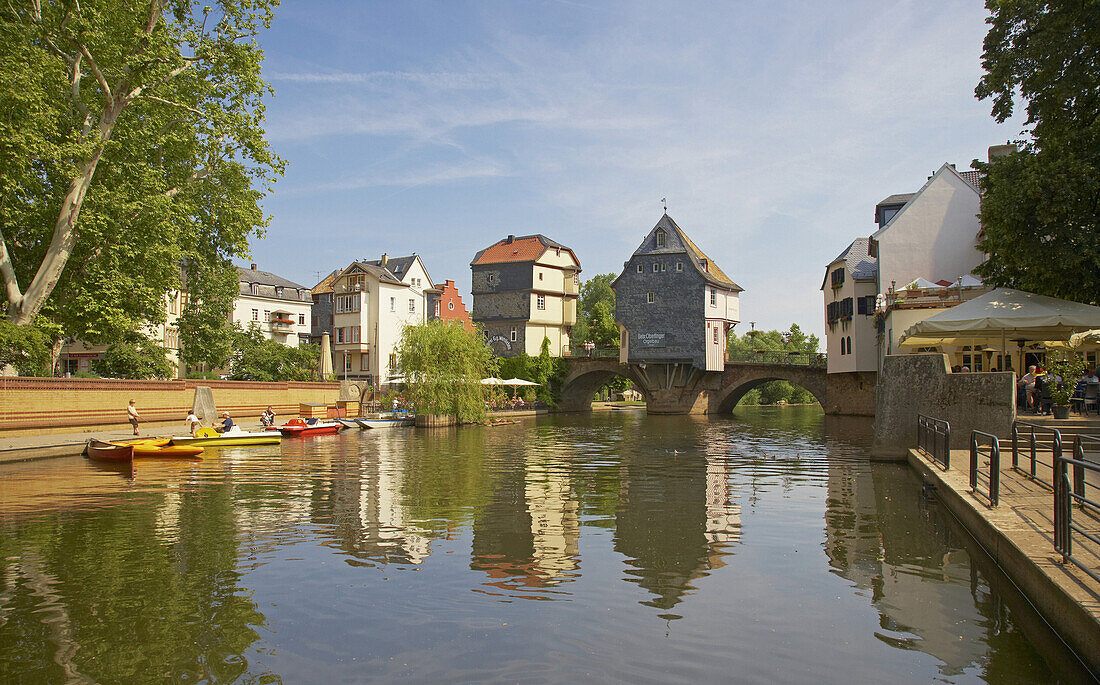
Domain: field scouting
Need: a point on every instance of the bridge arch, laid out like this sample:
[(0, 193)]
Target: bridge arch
[(583, 380), (726, 400)]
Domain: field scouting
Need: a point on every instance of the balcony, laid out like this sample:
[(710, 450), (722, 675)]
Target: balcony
[(282, 326), (352, 288)]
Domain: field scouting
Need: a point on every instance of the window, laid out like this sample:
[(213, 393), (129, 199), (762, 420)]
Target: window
[(714, 297), (301, 319), (842, 347), (364, 362), (837, 278), (412, 305), (540, 275), (393, 304), (540, 302), (650, 298), (255, 314), (437, 307), (267, 315), (393, 361), (451, 305), (172, 303), (512, 334), (278, 291), (340, 335), (490, 278), (679, 266), (639, 268), (716, 335), (356, 281), (663, 267), (255, 288), (576, 279), (656, 267), (303, 340), (662, 238), (355, 333)]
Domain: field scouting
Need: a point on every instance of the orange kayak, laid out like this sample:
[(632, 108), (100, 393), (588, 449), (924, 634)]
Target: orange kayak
[(161, 449)]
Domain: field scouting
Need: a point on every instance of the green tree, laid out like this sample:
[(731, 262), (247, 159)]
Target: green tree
[(145, 122), (1040, 215), (27, 348), (136, 357), (596, 312), (445, 363), (256, 358)]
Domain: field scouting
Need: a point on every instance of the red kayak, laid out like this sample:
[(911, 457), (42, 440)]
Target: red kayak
[(105, 451), (298, 427)]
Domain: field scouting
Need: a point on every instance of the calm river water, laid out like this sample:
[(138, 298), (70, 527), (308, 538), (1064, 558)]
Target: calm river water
[(617, 547)]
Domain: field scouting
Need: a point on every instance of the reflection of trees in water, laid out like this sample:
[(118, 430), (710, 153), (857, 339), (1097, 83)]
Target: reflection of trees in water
[(97, 593), (925, 587)]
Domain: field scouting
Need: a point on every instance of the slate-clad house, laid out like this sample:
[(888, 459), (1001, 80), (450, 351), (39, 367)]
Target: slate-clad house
[(673, 303), (525, 290)]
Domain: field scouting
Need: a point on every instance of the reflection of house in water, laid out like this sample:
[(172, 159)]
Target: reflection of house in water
[(367, 508), (921, 585), (674, 522), (527, 536)]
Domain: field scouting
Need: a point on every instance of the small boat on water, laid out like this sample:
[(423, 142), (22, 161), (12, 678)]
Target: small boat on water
[(298, 427), (161, 448), (349, 423), (392, 420), (234, 437), (106, 451)]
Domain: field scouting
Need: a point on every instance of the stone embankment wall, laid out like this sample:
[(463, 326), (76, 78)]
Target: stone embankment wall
[(56, 405), (923, 384)]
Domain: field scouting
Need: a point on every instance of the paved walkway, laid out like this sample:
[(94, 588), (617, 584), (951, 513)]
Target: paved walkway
[(1019, 535)]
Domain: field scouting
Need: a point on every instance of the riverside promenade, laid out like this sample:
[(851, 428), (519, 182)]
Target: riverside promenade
[(1018, 533)]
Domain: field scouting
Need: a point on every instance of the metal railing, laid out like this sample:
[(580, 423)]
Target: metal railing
[(813, 360), (988, 446), (597, 352), (934, 439), (1067, 495), (1029, 438)]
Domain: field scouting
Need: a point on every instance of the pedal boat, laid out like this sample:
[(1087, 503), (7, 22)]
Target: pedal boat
[(234, 437), (300, 428)]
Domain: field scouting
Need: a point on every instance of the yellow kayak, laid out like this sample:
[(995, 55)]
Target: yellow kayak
[(208, 437), (160, 448)]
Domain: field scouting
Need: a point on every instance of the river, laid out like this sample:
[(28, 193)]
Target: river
[(618, 547)]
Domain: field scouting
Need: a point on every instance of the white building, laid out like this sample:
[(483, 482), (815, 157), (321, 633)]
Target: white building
[(923, 253), (373, 301), (280, 308), (851, 288)]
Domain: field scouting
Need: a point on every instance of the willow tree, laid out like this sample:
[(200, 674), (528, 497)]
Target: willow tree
[(444, 364), (133, 160)]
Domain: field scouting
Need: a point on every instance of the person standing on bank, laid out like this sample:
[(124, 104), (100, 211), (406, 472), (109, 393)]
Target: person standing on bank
[(132, 413)]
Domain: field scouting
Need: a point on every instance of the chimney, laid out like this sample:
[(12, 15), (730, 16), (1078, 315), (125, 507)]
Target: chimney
[(1001, 151), (253, 267), (450, 283), (511, 239), (385, 260)]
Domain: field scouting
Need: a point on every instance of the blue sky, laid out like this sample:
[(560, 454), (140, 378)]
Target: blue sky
[(772, 128)]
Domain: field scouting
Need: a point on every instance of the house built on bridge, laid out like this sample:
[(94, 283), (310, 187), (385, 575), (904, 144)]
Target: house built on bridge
[(673, 304)]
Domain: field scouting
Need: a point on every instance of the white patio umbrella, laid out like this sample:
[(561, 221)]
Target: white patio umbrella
[(518, 382), (324, 363), (492, 380), (394, 381)]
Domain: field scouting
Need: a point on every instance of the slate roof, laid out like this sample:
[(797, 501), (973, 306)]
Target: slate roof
[(524, 248), (382, 274), (857, 262), (712, 273), (271, 286), (898, 199), (399, 266)]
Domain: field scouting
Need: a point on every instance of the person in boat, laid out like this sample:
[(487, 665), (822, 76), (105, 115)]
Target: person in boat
[(227, 423), (193, 423), (268, 417)]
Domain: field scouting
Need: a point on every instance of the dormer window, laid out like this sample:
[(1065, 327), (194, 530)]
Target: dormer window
[(639, 268), (679, 266), (705, 265), (656, 267), (255, 288), (662, 238)]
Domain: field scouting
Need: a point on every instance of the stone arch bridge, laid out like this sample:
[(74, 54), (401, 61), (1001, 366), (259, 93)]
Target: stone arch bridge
[(680, 388)]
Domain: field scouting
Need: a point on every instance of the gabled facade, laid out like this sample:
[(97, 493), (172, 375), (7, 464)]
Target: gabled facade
[(371, 306), (850, 289), (933, 235), (281, 309), (524, 290), (673, 303), (445, 303)]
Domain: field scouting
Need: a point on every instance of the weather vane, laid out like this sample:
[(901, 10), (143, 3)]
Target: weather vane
[(664, 202)]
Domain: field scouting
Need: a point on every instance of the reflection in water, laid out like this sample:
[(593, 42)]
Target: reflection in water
[(619, 522)]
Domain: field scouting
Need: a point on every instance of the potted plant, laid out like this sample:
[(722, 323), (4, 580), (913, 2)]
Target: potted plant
[(1069, 366)]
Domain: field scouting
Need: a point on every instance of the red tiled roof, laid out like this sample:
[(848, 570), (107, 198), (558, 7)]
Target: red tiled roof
[(974, 178), (526, 248)]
